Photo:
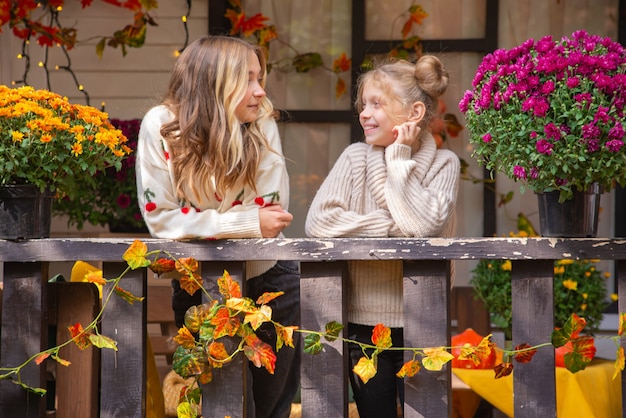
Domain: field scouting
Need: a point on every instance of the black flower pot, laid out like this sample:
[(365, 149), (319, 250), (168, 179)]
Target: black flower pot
[(25, 212), (574, 218)]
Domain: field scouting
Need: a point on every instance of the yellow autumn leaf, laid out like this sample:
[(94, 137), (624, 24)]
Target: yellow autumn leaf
[(436, 358), (619, 361), (256, 319), (135, 255), (284, 336), (365, 369)]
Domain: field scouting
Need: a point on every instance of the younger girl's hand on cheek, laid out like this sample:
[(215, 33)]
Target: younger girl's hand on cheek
[(407, 133)]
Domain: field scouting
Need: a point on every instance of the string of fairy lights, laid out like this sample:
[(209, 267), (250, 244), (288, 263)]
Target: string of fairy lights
[(67, 67)]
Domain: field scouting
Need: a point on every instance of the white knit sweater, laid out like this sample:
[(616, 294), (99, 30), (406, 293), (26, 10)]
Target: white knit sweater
[(385, 192), (235, 215)]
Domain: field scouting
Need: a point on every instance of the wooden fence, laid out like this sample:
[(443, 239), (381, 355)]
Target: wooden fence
[(324, 379)]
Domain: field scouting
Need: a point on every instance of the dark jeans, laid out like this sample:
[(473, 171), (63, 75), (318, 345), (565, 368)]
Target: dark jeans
[(378, 398), (272, 394)]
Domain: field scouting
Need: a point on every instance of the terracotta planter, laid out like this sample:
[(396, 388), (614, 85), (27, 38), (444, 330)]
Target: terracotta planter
[(25, 212)]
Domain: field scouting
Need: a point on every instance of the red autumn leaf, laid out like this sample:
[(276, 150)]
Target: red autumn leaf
[(217, 354), (259, 353), (622, 324), (225, 325), (236, 19), (228, 287), (342, 64), (267, 297), (186, 265), (503, 370), (571, 329), (95, 277), (191, 284), (409, 369), (41, 358), (340, 88), (206, 376), (256, 22), (583, 351), (381, 336), (416, 16), (163, 265), (526, 355), (79, 336)]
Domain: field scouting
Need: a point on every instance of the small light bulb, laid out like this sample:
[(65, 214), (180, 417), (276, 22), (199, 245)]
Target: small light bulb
[(20, 56), (40, 64), (80, 87), (184, 18), (56, 67), (177, 53)]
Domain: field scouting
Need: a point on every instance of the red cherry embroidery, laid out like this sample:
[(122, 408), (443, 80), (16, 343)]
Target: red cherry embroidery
[(236, 202), (150, 206), (259, 201), (184, 210)]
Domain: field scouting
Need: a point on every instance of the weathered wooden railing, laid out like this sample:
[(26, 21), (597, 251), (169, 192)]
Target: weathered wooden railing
[(324, 381)]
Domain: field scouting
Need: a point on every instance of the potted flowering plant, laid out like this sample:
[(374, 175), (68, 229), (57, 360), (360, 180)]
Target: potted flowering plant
[(114, 201), (50, 145), (579, 287), (550, 114)]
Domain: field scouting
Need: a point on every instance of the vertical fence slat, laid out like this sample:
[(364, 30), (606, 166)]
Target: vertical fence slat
[(324, 386), (534, 383), (226, 395), (24, 333), (620, 268), (427, 324), (123, 372)]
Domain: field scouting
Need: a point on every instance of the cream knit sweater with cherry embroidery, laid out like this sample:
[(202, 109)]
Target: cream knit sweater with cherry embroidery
[(385, 192), (235, 215)]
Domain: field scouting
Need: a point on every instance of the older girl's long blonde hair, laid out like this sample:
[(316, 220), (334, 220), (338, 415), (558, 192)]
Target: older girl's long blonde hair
[(206, 139)]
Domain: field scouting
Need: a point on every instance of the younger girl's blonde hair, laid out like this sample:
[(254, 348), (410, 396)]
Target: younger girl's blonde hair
[(206, 139), (425, 81)]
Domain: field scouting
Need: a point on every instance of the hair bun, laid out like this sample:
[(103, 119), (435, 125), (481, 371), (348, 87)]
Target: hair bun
[(431, 75)]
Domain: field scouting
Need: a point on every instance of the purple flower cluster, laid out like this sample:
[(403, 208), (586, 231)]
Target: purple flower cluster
[(558, 100)]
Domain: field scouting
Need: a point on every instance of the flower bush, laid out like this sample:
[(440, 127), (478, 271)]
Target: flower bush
[(114, 201), (550, 114), (579, 288), (50, 143)]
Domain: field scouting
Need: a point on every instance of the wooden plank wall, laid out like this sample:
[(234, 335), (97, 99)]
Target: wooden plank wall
[(127, 85)]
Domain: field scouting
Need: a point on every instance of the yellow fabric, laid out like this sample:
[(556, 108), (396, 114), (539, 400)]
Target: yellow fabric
[(81, 269), (155, 403), (589, 393)]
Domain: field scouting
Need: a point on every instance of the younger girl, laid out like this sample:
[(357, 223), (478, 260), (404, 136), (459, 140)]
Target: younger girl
[(210, 166), (396, 184)]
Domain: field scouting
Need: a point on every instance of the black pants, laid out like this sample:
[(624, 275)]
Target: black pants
[(272, 394), (379, 397)]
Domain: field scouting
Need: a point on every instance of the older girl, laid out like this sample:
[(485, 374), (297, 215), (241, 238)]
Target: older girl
[(210, 166)]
